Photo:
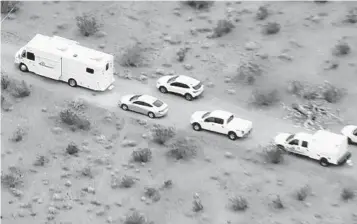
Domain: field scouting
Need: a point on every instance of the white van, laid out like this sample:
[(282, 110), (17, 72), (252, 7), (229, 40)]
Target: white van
[(324, 146), (63, 59)]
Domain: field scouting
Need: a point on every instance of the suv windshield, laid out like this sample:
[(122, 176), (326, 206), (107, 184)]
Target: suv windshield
[(134, 97), (158, 103), (172, 79), (230, 119), (290, 137), (196, 87), (205, 115)]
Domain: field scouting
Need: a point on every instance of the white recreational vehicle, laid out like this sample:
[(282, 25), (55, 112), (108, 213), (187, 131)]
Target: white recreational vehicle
[(63, 59)]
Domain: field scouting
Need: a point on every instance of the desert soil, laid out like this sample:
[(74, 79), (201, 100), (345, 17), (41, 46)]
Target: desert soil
[(57, 191)]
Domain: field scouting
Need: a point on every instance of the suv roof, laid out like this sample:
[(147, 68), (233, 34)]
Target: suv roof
[(187, 80)]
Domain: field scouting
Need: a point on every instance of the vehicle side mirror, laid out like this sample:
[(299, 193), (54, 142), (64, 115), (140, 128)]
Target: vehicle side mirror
[(23, 54)]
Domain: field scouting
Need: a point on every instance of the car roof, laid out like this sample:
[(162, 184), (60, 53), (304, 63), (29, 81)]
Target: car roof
[(303, 136), (221, 114), (186, 79), (147, 98)]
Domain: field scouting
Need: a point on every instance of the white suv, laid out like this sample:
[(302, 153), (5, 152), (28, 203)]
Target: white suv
[(182, 85), (222, 122)]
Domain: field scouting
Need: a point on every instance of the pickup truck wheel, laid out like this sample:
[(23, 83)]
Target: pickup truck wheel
[(162, 89), (232, 136), (124, 107), (151, 115), (188, 97), (196, 127), (23, 67), (72, 83), (324, 162)]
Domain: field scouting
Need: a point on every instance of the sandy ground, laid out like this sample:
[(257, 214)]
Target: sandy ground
[(215, 177)]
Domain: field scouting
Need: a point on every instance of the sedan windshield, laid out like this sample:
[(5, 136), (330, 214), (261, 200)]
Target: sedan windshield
[(134, 97), (290, 137), (206, 114), (172, 79), (230, 119), (158, 103)]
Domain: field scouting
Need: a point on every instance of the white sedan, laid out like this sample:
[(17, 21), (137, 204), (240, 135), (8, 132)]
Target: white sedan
[(144, 104), (222, 122), (350, 131), (182, 85)]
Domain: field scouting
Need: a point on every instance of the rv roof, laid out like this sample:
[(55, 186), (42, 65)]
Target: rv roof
[(68, 48)]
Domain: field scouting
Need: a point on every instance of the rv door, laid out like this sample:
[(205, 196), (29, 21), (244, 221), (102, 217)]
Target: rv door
[(30, 62), (49, 68)]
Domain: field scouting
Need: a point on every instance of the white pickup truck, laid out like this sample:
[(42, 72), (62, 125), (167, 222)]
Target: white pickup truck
[(324, 146)]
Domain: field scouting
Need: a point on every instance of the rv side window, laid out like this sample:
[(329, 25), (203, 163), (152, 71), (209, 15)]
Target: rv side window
[(30, 56), (304, 144), (89, 70), (107, 67)]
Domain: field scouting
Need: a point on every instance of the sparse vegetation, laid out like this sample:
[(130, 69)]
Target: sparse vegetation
[(351, 16), (5, 81), (41, 160), (87, 25), (277, 203), (199, 4), (10, 6), (265, 97), (21, 90), (161, 134), (197, 205), (142, 155), (75, 119), (342, 48), (248, 72), (135, 218), (72, 149), (222, 28), (86, 171), (152, 193), (183, 148), (12, 179), (262, 13), (347, 194), (132, 56), (238, 203), (127, 181), (302, 193), (271, 28), (273, 154), (19, 134)]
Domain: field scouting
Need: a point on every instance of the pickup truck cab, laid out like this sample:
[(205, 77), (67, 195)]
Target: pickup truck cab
[(324, 146), (222, 122)]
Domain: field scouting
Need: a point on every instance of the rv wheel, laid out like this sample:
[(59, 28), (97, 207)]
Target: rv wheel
[(23, 67), (324, 162), (72, 83)]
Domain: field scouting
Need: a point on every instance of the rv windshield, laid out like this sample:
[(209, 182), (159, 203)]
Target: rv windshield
[(290, 137), (172, 79), (135, 97)]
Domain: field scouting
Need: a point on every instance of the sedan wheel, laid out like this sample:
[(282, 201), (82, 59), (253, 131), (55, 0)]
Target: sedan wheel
[(163, 89), (196, 127), (124, 107), (232, 136), (151, 115)]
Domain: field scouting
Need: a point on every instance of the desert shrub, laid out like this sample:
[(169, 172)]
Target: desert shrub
[(135, 218), (183, 148), (262, 13), (271, 28), (331, 93), (265, 98), (41, 160), (199, 4), (341, 48), (5, 82), (72, 149), (142, 155), (74, 118), (86, 171), (19, 134), (247, 72), (21, 90), (222, 28), (302, 193), (273, 154), (12, 179), (77, 105), (161, 134), (127, 181), (10, 6), (351, 16), (132, 56), (167, 184), (197, 205), (347, 194), (277, 203), (238, 203), (303, 90), (87, 25), (152, 193)]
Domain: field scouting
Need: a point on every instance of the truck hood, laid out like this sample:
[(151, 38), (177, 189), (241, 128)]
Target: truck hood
[(281, 138), (197, 116), (348, 130), (163, 79), (240, 124)]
